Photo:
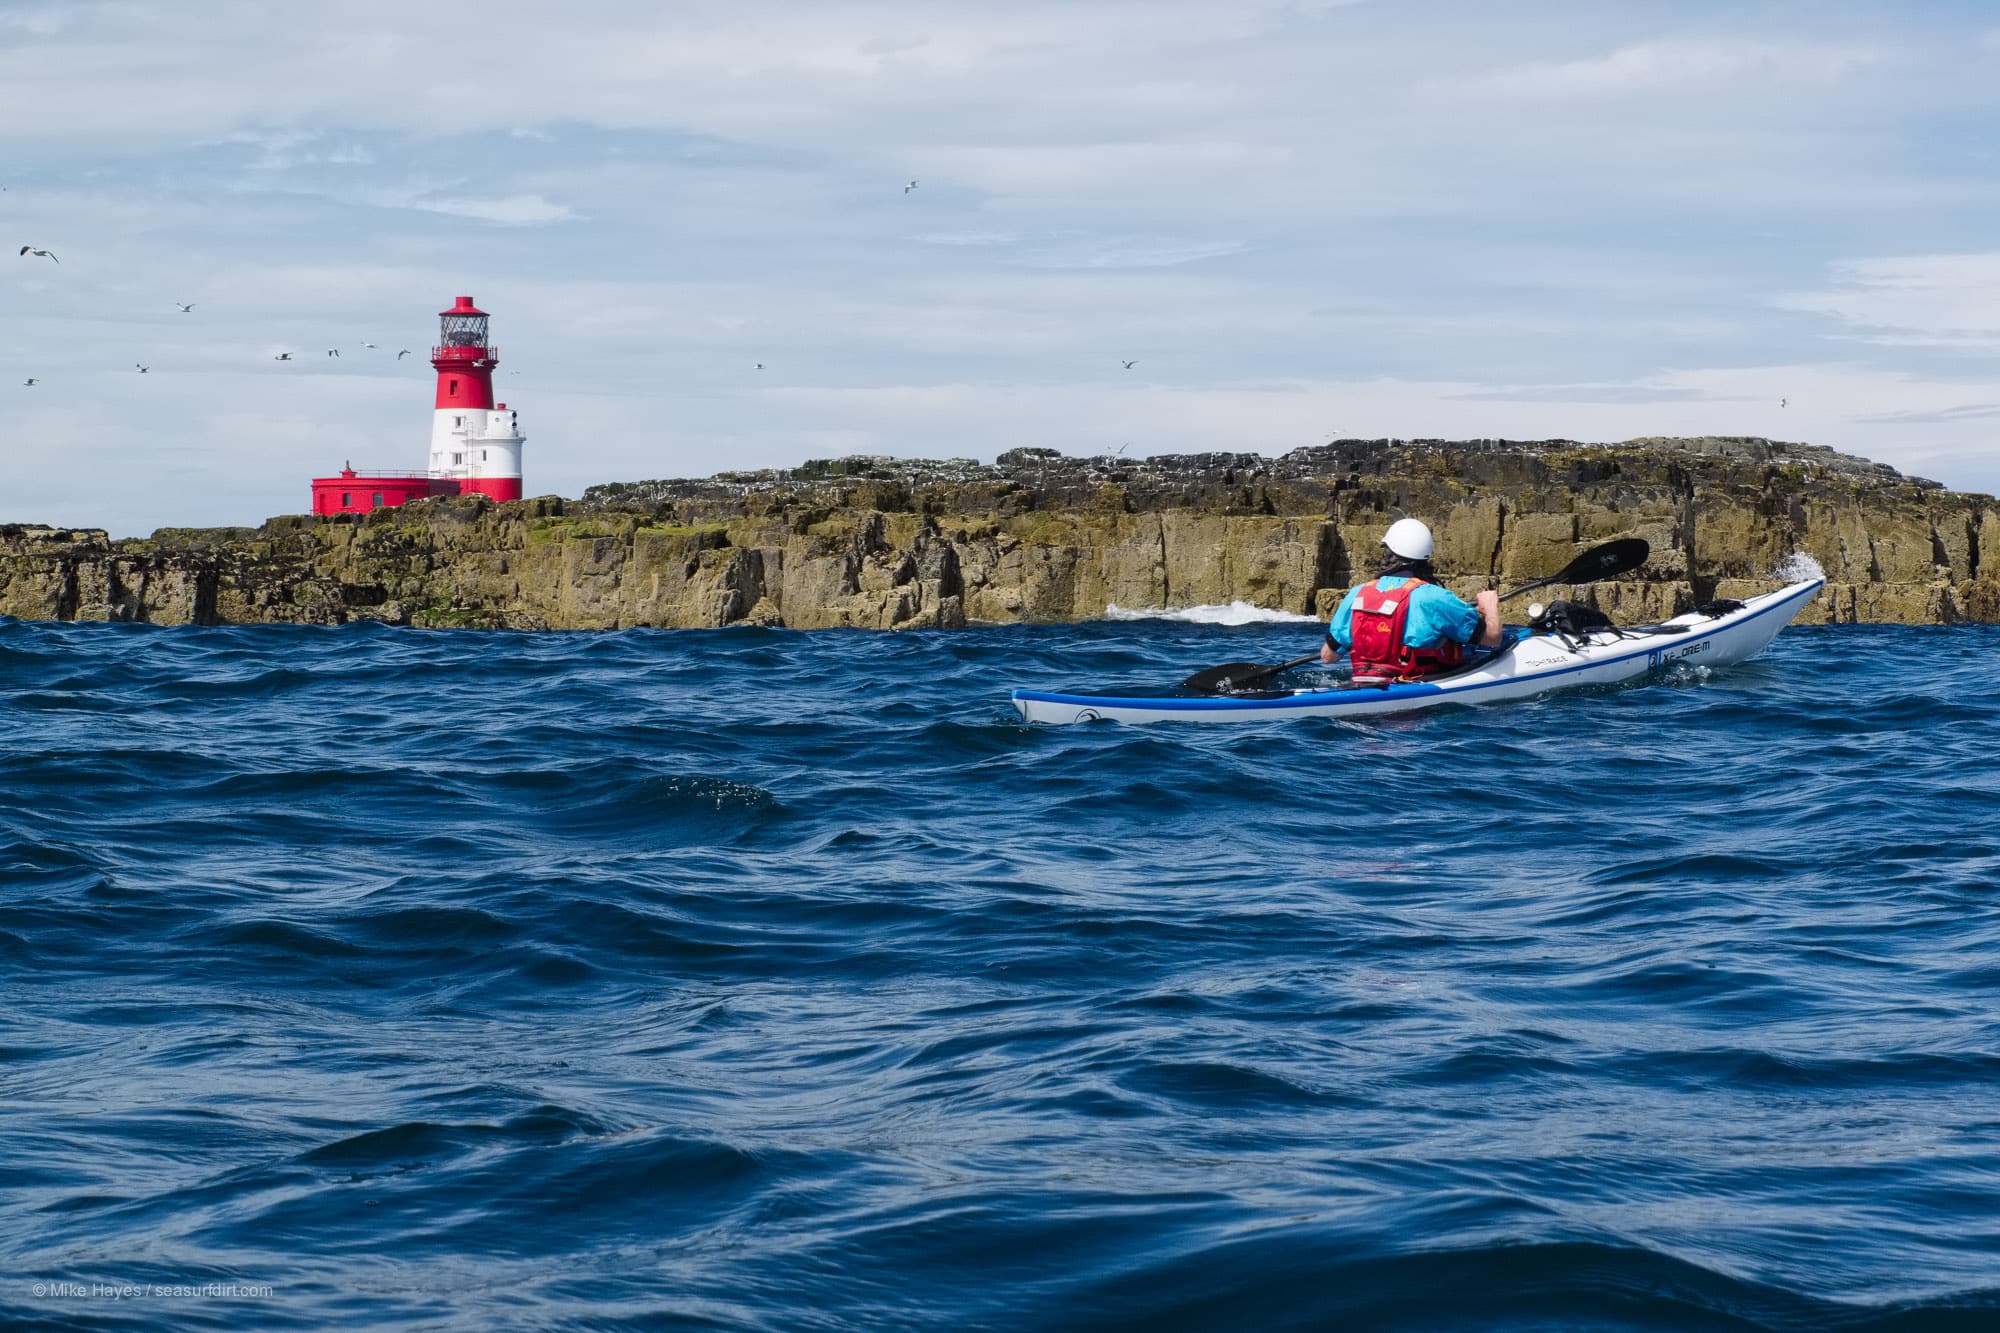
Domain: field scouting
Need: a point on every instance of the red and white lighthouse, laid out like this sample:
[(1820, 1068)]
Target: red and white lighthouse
[(475, 442)]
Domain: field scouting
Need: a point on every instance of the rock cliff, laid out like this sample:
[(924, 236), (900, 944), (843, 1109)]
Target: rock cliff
[(879, 543)]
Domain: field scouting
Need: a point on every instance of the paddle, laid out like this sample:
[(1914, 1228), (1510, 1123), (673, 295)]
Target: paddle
[(1233, 676), (1599, 562)]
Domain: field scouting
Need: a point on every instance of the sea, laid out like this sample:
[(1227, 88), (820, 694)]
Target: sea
[(370, 977)]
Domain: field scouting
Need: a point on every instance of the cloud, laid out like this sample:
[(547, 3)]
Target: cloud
[(824, 67), (515, 210), (1664, 65), (1943, 300), (1939, 416), (1583, 393), (1078, 250), (1551, 219), (1091, 171), (43, 22)]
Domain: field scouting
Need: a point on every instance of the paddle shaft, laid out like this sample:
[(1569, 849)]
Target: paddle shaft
[(1312, 656), (1530, 587)]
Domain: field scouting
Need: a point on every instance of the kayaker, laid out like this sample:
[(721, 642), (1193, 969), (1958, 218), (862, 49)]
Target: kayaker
[(1402, 625)]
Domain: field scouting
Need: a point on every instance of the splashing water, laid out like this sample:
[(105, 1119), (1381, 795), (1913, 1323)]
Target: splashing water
[(1797, 568), (1236, 613)]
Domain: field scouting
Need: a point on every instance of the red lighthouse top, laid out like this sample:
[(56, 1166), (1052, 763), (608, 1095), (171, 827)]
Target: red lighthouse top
[(462, 336), (463, 357)]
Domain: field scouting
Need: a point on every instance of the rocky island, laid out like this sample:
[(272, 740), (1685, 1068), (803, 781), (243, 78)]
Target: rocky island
[(1036, 536)]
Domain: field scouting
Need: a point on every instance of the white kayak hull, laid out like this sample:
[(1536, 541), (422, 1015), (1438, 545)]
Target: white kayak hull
[(1532, 666)]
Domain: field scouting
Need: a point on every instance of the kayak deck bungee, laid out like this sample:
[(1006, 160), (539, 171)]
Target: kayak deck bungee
[(1526, 666)]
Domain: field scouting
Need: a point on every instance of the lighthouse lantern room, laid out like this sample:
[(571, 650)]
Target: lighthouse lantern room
[(475, 442)]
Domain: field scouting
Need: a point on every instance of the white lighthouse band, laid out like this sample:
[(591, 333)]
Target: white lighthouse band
[(480, 448)]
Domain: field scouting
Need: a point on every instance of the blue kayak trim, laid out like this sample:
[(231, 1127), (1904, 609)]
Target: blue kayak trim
[(1344, 695)]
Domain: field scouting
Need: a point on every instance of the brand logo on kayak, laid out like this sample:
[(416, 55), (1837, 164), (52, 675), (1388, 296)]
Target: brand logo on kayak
[(1662, 656)]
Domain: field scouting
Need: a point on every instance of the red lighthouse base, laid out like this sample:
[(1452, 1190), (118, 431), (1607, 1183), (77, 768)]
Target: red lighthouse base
[(495, 488), (358, 492)]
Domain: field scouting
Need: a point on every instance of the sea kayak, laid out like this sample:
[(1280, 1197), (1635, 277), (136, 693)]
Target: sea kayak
[(1530, 664)]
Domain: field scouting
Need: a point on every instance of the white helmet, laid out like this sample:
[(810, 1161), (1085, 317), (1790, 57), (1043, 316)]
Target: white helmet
[(1409, 538)]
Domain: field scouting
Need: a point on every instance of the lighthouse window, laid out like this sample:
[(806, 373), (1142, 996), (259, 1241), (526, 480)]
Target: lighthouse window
[(454, 393), (347, 499), (482, 455), (378, 499)]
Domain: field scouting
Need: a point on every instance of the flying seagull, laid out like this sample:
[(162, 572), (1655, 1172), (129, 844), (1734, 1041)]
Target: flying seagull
[(333, 351), (760, 365), (1130, 364), (400, 355), (367, 344), (31, 250), (911, 186), (30, 382), (1783, 401), (142, 369), (282, 356), (185, 308)]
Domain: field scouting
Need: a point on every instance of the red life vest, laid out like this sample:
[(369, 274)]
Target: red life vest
[(1379, 652)]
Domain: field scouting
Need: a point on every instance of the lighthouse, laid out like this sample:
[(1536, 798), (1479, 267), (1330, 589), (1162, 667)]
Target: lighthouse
[(475, 442)]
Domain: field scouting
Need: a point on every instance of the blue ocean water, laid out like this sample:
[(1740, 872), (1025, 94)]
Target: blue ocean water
[(757, 979)]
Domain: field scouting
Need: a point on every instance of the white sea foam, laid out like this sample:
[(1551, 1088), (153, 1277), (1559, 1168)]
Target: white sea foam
[(1797, 568), (1236, 613)]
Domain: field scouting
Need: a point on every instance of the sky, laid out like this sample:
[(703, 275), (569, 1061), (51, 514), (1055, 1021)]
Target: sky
[(1300, 221)]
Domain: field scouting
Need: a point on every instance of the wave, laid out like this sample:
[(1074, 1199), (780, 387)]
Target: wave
[(1797, 568), (1236, 613), (681, 977)]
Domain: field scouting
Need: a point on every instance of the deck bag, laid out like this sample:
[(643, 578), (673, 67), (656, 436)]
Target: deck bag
[(1570, 620)]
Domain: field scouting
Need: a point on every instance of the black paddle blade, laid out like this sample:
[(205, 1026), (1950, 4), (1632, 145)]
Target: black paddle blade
[(1601, 562), (1227, 676), (1231, 677)]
